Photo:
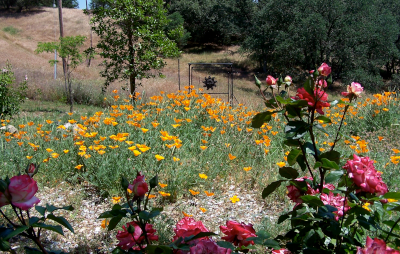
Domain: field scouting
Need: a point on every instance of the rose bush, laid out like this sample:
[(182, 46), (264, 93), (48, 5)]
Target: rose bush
[(133, 239), (237, 233)]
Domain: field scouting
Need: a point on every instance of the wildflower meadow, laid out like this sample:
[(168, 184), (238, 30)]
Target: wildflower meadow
[(332, 161)]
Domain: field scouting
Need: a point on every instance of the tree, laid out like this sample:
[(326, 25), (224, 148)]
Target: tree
[(132, 39), (68, 48)]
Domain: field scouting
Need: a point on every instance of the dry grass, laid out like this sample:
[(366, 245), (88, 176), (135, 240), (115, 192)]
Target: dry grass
[(42, 25)]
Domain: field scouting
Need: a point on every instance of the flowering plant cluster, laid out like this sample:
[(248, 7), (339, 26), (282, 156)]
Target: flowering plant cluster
[(190, 236), (336, 205), (19, 192)]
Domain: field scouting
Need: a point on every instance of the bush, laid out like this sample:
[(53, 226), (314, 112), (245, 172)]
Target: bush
[(10, 97)]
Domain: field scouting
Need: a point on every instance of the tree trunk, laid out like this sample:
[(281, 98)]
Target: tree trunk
[(66, 79), (132, 75)]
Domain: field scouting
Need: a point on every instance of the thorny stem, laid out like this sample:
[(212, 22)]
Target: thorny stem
[(340, 126), (391, 230), (9, 221), (342, 219)]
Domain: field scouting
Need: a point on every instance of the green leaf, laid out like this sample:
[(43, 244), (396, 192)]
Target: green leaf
[(317, 164), (323, 119), (270, 243), (328, 164), (4, 245), (144, 215), (118, 250), (309, 87), (155, 212), (57, 229), (199, 235), (312, 200), (29, 250), (301, 160), (40, 209), (282, 101), (114, 222), (271, 188), (51, 208), (154, 182), (257, 81), (296, 129), (392, 195), (158, 249), (261, 118), (288, 172), (33, 220), (17, 231), (283, 217), (298, 103), (124, 183), (332, 156), (292, 156), (226, 245), (333, 176), (291, 142), (62, 221), (310, 148), (293, 111), (319, 127)]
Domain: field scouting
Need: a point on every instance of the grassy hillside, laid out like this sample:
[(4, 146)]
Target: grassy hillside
[(21, 32)]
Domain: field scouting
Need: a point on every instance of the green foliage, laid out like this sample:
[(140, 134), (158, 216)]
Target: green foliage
[(11, 95), (214, 21), (11, 30), (132, 39), (175, 31), (356, 38), (68, 49)]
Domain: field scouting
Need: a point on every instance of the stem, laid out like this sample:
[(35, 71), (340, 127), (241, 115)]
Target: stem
[(9, 221), (391, 230), (39, 244), (340, 126), (342, 219)]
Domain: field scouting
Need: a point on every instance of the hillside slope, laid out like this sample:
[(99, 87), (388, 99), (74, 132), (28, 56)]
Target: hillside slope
[(21, 32)]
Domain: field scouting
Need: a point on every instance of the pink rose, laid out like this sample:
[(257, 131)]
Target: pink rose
[(322, 83), (139, 187), (271, 81), (318, 100), (207, 246), (189, 226), (324, 70), (295, 194), (281, 251), (365, 176), (353, 90), (128, 240), (376, 246), (237, 233), (335, 201), (22, 190)]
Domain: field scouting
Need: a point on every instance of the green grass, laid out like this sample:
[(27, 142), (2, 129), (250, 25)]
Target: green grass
[(11, 30)]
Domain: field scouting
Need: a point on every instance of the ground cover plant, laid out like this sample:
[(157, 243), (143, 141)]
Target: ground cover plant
[(194, 142)]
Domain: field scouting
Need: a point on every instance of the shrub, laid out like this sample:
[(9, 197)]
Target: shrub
[(10, 97)]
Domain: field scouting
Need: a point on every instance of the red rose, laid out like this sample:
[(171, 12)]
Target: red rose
[(318, 100), (189, 226), (22, 190), (364, 175), (376, 246), (139, 187), (207, 246), (271, 81), (237, 233), (128, 240), (324, 70)]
